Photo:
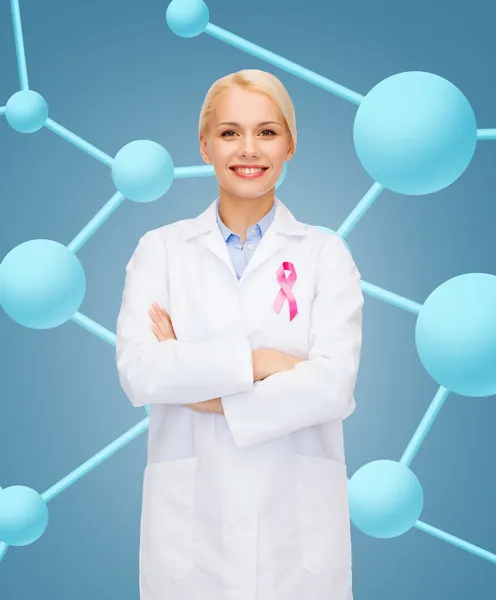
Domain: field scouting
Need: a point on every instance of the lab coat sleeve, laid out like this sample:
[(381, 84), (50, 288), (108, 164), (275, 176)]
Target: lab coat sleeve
[(321, 388), (172, 371)]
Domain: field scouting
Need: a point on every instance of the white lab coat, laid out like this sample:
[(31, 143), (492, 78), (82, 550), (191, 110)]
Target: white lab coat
[(251, 504)]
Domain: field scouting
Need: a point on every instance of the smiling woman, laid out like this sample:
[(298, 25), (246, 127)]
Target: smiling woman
[(248, 371), (247, 131)]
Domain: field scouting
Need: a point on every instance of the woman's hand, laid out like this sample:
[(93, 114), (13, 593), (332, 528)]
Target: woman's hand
[(267, 362), (163, 330), (208, 406), (162, 324)]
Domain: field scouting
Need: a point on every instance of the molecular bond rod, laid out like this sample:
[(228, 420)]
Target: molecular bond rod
[(283, 63), (78, 142), (360, 209), (96, 222), (197, 171), (486, 134), (96, 460), (390, 297), (19, 44), (94, 328), (424, 426), (451, 539)]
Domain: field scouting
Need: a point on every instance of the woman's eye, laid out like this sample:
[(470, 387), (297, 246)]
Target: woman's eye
[(264, 131)]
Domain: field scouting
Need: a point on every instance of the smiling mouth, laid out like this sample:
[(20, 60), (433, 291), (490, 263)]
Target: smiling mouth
[(249, 173), (248, 170)]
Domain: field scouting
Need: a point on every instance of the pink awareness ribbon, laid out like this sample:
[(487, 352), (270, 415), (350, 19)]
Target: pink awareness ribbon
[(286, 284)]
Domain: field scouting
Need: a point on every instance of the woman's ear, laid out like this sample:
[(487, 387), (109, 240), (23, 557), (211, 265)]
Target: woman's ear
[(203, 149), (290, 152)]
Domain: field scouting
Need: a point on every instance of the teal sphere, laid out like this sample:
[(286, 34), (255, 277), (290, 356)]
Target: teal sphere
[(42, 284), (23, 515), (143, 171), (187, 18), (455, 334), (26, 111), (283, 175), (415, 133), (386, 499)]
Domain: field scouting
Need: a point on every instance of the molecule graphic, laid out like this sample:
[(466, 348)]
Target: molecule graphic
[(414, 133)]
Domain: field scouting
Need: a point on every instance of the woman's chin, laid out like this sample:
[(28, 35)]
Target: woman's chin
[(248, 189), (248, 194)]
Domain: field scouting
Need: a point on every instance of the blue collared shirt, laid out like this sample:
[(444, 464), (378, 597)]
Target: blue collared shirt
[(241, 253)]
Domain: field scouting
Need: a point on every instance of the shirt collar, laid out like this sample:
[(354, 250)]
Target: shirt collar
[(263, 224)]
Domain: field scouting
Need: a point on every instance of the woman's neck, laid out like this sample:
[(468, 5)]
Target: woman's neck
[(239, 214)]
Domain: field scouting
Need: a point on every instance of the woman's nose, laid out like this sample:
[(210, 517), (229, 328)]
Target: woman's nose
[(249, 147)]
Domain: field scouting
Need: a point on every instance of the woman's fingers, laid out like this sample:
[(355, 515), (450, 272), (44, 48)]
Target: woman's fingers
[(162, 321), (164, 325), (158, 333), (157, 314)]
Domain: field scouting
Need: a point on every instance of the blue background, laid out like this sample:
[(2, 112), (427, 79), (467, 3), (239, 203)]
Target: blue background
[(113, 72)]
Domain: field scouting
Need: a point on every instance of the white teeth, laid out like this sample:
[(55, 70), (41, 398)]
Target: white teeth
[(248, 171)]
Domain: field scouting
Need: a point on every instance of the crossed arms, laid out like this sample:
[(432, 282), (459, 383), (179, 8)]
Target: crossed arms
[(265, 362), (256, 409)]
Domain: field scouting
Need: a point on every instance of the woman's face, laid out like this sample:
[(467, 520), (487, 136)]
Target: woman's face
[(246, 129)]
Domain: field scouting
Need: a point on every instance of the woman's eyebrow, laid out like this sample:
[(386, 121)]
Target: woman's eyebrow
[(237, 124)]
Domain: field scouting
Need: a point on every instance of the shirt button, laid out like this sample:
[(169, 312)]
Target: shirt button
[(252, 231), (250, 247)]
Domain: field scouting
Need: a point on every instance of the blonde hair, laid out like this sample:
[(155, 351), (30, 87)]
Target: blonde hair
[(255, 80)]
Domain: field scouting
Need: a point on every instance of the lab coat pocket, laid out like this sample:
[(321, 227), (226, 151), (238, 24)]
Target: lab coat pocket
[(324, 514), (167, 520)]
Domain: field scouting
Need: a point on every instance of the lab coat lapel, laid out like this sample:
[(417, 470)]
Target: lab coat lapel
[(214, 242), (273, 240), (270, 243)]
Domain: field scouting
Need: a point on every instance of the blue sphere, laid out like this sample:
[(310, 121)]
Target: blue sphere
[(455, 334), (26, 111), (42, 284), (23, 515), (283, 175), (386, 499), (143, 171), (415, 133), (187, 18)]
